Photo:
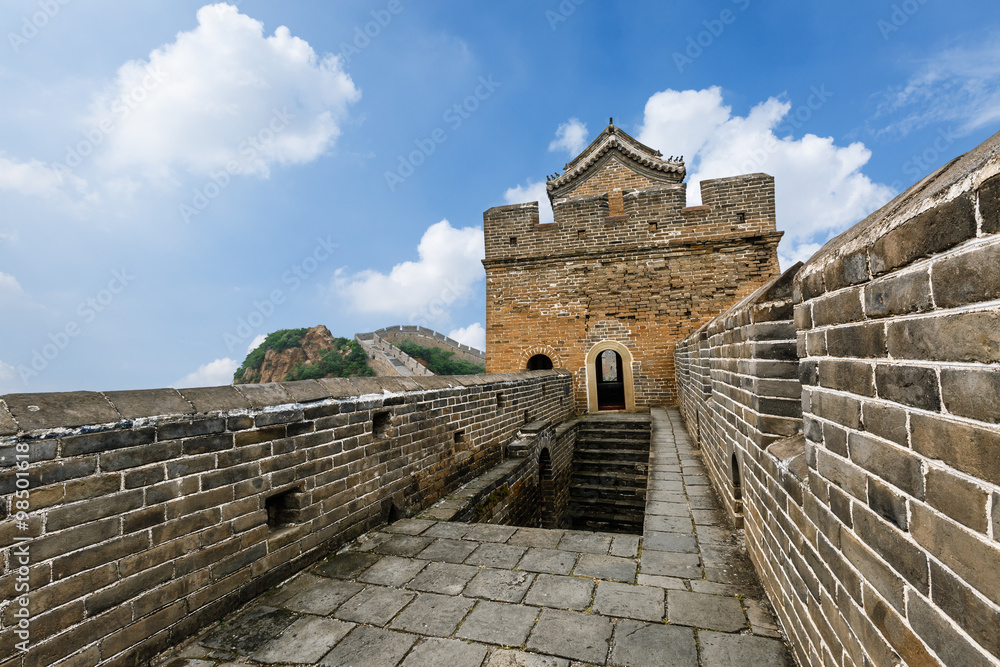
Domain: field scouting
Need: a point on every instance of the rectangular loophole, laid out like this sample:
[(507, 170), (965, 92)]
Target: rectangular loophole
[(581, 234), (652, 226), (741, 217), (459, 438), (381, 423), (513, 240), (282, 509)]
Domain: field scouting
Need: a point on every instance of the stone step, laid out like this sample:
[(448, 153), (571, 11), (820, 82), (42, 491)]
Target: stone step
[(608, 522), (610, 506), (637, 436), (633, 479), (610, 455)]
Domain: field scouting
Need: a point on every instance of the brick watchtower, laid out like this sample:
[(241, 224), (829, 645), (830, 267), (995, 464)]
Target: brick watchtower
[(624, 272)]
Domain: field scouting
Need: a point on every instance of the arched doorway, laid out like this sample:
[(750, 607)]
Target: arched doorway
[(609, 378), (539, 362), (610, 385)]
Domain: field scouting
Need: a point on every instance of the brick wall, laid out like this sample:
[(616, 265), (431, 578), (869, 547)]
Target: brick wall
[(876, 530), (151, 514), (644, 279)]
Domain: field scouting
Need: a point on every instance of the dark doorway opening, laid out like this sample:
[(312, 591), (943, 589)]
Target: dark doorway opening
[(610, 381), (539, 362)]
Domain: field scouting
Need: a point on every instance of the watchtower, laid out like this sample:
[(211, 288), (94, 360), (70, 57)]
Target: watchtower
[(626, 270)]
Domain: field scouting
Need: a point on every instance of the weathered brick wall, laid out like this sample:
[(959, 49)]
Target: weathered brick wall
[(430, 338), (151, 514), (876, 531), (645, 279)]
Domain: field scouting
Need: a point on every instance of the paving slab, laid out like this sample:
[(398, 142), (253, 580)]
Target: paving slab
[(403, 545), (500, 585), (510, 658), (668, 524), (570, 634), (714, 612), (536, 537), (685, 543), (325, 596), (250, 630), (444, 578), (655, 645), (374, 606), (646, 603), (409, 526), (599, 566), (306, 640), (446, 550), (448, 529), (552, 561), (499, 623), (487, 532), (625, 546), (491, 554), (559, 592), (392, 571), (433, 614), (669, 564), (346, 565), (593, 543), (365, 646), (725, 650), (436, 652)]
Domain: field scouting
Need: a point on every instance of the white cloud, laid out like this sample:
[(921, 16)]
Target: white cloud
[(36, 179), (448, 267), (213, 374), (531, 192), (255, 343), (223, 96), (959, 86), (571, 137), (473, 335), (819, 186), (798, 253), (9, 287)]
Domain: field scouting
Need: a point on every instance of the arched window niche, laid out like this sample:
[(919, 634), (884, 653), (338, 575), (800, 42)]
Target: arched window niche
[(609, 378)]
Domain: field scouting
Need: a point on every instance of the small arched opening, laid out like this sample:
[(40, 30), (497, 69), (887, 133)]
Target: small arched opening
[(539, 362), (546, 490), (609, 378), (737, 484)]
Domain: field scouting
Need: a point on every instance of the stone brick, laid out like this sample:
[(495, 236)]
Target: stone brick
[(893, 464), (976, 617), (873, 571), (214, 399), (841, 308), (970, 277), (91, 510), (846, 476), (972, 393), (845, 410), (865, 341), (887, 503), (900, 637), (901, 554), (137, 456), (969, 337), (259, 435), (885, 421), (149, 403), (102, 441), (65, 541), (926, 233), (966, 448), (989, 205), (846, 270), (898, 295), (265, 395), (961, 500), (98, 555), (854, 377), (971, 558), (189, 429), (915, 386), (933, 629)]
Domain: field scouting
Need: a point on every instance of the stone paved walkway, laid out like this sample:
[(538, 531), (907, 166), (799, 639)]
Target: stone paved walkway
[(423, 592)]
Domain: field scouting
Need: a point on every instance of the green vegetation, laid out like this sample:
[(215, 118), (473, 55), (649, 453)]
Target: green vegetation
[(440, 362), (346, 360), (277, 341)]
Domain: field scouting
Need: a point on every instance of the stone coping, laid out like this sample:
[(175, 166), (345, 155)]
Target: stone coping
[(28, 413)]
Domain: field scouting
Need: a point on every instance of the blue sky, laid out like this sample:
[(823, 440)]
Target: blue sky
[(178, 179)]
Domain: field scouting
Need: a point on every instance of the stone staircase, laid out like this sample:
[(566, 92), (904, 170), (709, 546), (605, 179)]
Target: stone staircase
[(610, 465)]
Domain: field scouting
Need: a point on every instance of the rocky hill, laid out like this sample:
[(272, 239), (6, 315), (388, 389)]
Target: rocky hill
[(303, 354)]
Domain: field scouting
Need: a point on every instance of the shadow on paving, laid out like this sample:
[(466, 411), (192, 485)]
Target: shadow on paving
[(422, 592)]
